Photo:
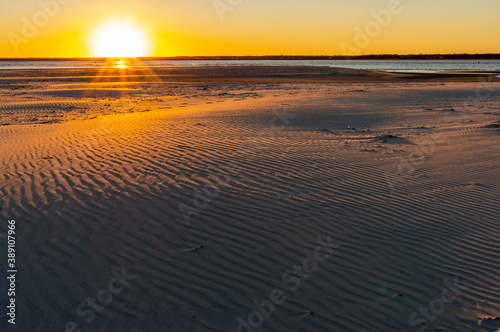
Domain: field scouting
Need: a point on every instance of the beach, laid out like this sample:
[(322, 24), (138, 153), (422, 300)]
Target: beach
[(252, 199)]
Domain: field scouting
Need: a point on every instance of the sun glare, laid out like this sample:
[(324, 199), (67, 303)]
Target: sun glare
[(119, 39)]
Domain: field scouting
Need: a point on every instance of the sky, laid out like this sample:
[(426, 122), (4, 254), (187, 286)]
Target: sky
[(67, 28)]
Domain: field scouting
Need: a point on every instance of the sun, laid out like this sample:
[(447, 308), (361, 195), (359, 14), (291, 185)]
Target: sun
[(119, 39)]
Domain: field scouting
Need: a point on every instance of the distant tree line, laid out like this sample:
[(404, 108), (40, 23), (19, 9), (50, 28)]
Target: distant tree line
[(456, 56)]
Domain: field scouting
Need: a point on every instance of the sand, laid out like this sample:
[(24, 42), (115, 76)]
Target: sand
[(343, 205)]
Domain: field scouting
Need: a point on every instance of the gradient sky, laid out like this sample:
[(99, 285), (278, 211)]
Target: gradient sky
[(258, 27)]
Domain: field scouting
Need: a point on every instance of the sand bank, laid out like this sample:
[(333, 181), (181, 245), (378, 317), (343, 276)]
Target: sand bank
[(215, 198)]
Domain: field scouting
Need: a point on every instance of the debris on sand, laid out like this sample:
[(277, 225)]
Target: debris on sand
[(391, 139), (493, 125)]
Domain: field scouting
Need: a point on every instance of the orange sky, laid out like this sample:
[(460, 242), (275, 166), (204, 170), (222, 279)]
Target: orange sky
[(63, 28)]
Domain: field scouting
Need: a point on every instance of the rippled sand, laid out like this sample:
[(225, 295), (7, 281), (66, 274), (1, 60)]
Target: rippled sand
[(210, 193)]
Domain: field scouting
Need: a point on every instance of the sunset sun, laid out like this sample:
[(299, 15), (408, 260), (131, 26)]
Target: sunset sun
[(119, 39)]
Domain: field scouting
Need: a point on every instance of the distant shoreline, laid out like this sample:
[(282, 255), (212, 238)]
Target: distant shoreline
[(235, 74), (287, 58)]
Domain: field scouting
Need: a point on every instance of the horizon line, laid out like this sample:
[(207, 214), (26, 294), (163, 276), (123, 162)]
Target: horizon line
[(256, 57)]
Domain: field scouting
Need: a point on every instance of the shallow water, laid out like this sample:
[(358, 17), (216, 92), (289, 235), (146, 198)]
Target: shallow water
[(389, 65)]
